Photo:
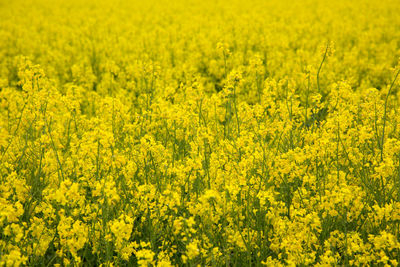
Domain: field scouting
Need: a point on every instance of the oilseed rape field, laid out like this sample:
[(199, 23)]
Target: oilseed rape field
[(199, 133)]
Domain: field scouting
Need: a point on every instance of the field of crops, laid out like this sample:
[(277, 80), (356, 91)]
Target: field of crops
[(199, 133)]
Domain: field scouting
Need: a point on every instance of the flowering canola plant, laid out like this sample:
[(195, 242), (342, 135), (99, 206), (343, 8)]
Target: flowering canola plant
[(199, 133)]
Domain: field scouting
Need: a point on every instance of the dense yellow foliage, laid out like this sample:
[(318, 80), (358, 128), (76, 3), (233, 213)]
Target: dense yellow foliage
[(199, 132)]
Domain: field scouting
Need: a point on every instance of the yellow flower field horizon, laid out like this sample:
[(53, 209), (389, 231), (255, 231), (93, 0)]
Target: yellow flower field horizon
[(199, 133)]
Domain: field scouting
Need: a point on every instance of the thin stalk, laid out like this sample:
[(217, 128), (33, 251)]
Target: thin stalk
[(320, 67), (385, 111)]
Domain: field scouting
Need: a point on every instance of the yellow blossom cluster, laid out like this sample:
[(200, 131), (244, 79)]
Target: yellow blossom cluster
[(199, 133)]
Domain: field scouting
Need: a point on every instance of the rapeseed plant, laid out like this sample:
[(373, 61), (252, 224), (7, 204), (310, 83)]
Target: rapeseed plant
[(199, 133)]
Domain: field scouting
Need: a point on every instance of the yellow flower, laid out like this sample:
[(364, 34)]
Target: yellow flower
[(14, 258)]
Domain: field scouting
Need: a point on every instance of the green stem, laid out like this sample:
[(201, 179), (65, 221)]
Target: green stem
[(320, 67), (385, 111)]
